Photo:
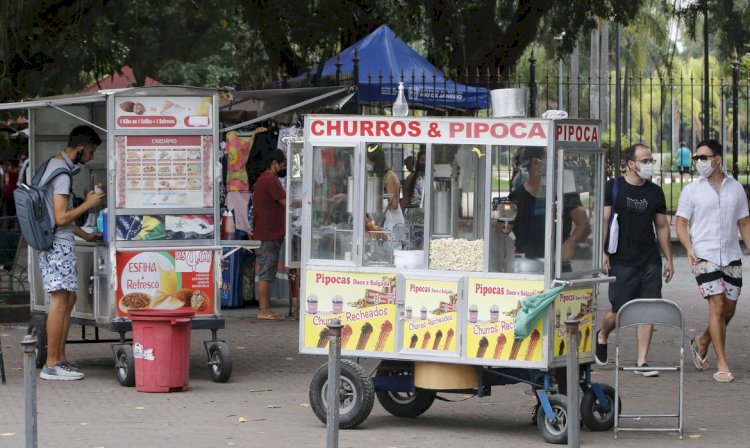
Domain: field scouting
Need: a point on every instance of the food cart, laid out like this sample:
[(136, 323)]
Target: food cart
[(434, 298), (158, 164)]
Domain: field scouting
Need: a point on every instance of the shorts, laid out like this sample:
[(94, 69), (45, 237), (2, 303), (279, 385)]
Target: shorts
[(634, 283), (683, 169), (714, 279), (58, 267), (267, 259)]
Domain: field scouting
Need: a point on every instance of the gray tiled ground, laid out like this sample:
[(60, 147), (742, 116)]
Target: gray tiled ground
[(269, 389)]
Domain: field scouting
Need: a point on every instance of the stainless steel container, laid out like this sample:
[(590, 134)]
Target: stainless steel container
[(508, 103), (350, 195), (374, 195), (441, 214)]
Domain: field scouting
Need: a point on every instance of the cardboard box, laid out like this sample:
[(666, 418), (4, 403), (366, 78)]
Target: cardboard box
[(432, 375)]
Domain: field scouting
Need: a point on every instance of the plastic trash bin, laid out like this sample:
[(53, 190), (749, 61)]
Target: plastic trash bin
[(161, 349)]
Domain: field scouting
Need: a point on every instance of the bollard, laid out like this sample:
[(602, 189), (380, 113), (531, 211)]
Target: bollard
[(574, 417), (334, 384), (29, 387)]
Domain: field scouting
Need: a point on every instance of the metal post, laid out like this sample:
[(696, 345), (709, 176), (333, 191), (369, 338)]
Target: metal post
[(532, 85), (618, 104), (334, 384), (735, 115), (574, 424), (29, 387), (560, 84), (706, 85)]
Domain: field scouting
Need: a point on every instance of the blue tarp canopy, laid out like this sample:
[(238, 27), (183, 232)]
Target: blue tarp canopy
[(383, 54)]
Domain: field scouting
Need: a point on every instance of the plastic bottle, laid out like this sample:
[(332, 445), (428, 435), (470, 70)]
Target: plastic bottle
[(227, 225), (400, 107)]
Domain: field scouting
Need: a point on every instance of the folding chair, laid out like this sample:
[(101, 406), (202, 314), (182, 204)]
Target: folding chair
[(649, 311), (2, 364)]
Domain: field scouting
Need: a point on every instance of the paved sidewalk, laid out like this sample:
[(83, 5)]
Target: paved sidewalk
[(269, 389)]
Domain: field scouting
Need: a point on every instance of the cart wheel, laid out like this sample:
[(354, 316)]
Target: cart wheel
[(220, 362), (38, 328), (404, 404), (356, 394), (125, 366), (554, 432), (591, 413)]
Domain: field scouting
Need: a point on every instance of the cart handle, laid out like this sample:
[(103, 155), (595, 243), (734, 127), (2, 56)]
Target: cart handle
[(585, 281), (181, 320), (165, 248)]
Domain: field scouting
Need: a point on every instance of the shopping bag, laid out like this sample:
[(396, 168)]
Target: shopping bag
[(531, 311)]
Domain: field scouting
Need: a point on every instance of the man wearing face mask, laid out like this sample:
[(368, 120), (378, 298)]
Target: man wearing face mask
[(58, 264), (269, 227), (641, 207), (710, 211)]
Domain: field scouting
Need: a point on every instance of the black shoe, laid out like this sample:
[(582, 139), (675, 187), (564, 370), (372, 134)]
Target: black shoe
[(600, 355), (645, 371)]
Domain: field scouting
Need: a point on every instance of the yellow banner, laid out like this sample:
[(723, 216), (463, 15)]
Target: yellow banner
[(431, 320), (576, 304), (492, 307), (365, 304)]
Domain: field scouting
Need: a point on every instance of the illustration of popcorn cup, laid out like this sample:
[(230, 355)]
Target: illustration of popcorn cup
[(408, 312), (494, 313), (312, 304), (423, 313), (338, 304), (473, 312)]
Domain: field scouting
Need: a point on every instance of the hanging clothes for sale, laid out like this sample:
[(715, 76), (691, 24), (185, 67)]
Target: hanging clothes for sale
[(237, 152)]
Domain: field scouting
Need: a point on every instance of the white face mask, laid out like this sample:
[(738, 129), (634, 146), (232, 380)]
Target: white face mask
[(645, 171), (704, 167), (370, 167)]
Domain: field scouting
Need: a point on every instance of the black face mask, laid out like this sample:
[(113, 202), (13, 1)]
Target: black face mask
[(78, 158), (281, 173)]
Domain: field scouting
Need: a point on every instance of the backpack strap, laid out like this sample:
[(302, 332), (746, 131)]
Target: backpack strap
[(37, 179)]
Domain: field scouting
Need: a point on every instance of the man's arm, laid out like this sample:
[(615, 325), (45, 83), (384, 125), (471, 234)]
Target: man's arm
[(744, 226), (582, 230), (684, 235), (64, 216), (605, 231), (664, 238)]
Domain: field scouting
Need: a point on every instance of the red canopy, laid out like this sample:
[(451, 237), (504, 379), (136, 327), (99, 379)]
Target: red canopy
[(121, 80)]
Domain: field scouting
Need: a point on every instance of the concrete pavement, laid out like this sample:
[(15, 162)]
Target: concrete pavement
[(269, 390)]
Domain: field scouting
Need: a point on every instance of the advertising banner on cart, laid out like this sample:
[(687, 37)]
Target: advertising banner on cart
[(431, 317), (184, 112), (365, 304), (165, 280), (574, 304), (492, 307), (164, 171)]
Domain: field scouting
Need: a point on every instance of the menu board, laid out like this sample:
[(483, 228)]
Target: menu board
[(167, 280), (157, 112), (164, 171), (574, 304), (490, 327), (430, 317), (364, 303)]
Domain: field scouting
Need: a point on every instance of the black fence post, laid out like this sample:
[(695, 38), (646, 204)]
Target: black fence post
[(338, 69), (532, 85), (356, 60), (735, 116)]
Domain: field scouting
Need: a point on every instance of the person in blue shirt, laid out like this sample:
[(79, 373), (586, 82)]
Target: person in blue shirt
[(683, 161)]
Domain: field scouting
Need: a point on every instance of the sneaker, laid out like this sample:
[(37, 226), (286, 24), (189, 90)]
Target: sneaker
[(600, 354), (68, 366), (59, 372), (643, 370)]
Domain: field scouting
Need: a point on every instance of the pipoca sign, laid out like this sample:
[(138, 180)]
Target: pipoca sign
[(438, 130)]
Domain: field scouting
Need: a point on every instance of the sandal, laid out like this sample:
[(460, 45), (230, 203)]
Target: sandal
[(700, 363), (272, 315), (724, 377)]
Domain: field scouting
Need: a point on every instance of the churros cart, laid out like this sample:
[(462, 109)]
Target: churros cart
[(434, 297), (158, 164)]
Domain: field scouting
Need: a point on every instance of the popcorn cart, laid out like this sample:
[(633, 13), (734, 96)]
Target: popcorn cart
[(434, 296), (161, 246)]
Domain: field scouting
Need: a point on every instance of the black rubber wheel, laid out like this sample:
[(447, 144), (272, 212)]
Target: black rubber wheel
[(404, 404), (356, 394), (554, 432), (591, 413), (220, 362), (38, 328), (125, 366)]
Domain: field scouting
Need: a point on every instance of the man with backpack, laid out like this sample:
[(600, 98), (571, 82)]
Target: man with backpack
[(58, 264)]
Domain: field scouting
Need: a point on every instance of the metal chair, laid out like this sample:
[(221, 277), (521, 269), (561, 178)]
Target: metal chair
[(658, 312), (2, 364)]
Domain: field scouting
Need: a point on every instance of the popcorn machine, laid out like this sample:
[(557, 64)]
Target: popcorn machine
[(445, 322)]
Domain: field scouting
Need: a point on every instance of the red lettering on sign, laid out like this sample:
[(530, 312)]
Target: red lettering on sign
[(381, 128), (414, 129)]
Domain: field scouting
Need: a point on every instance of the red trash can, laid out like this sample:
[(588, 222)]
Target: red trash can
[(161, 349)]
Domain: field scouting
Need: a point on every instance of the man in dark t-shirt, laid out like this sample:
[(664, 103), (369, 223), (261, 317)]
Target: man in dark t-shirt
[(640, 208), (269, 227)]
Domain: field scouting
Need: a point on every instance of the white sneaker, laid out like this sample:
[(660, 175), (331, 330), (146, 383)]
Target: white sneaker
[(59, 372)]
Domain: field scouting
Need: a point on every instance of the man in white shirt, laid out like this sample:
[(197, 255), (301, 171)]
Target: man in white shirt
[(714, 207)]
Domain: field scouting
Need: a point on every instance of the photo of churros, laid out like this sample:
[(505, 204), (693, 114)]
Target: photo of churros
[(448, 339), (323, 338), (586, 340), (413, 341), (346, 334), (438, 338), (364, 336), (533, 342), (426, 340), (385, 330), (501, 341), (515, 349), (561, 350), (483, 343)]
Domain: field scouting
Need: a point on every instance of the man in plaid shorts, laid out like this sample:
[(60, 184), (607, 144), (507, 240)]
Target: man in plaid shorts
[(710, 211)]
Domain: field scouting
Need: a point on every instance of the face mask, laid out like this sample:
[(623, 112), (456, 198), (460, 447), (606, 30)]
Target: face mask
[(282, 173), (541, 167), (646, 171), (78, 157), (704, 167), (370, 167)]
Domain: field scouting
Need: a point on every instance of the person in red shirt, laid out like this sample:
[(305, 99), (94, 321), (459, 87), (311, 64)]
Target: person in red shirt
[(269, 227)]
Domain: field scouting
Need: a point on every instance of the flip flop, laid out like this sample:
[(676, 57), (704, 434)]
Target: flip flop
[(724, 377), (272, 316), (700, 363)]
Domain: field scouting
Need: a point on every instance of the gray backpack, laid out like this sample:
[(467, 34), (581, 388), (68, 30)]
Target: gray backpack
[(37, 226)]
